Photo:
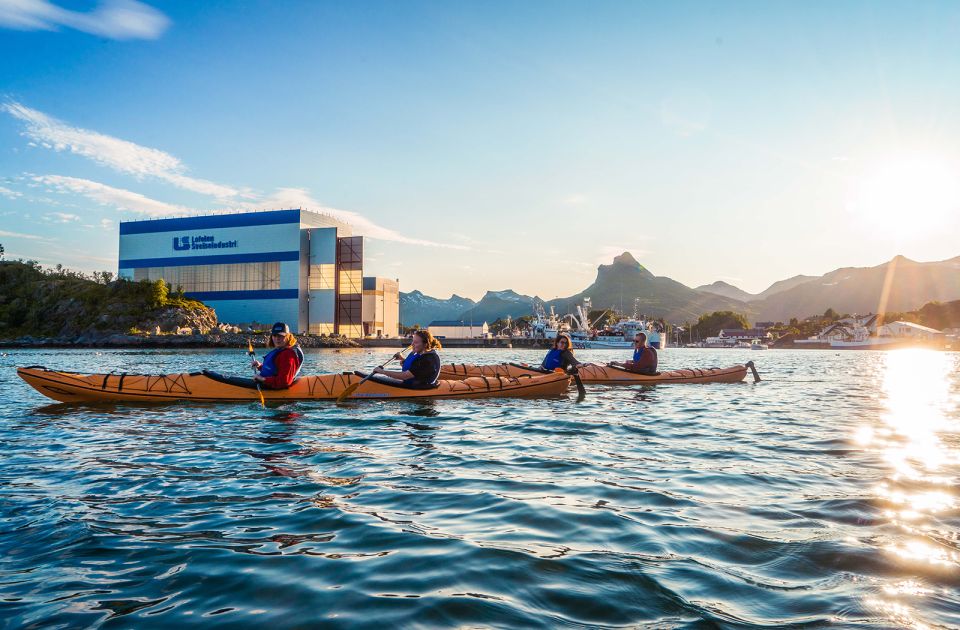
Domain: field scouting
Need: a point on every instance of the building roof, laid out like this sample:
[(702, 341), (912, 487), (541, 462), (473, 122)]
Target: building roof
[(740, 332), (917, 327)]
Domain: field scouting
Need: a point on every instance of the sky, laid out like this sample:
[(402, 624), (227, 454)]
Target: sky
[(486, 145)]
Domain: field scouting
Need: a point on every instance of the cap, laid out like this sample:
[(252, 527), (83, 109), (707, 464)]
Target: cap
[(280, 329)]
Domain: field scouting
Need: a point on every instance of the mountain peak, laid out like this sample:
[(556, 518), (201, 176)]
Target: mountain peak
[(626, 258)]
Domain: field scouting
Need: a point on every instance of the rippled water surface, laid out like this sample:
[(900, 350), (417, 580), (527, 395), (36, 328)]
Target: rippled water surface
[(825, 494)]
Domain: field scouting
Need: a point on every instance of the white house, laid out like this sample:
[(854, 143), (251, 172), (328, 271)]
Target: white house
[(909, 330), (458, 329)]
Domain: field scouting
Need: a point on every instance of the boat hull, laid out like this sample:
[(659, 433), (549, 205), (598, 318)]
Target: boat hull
[(602, 375), (71, 387)]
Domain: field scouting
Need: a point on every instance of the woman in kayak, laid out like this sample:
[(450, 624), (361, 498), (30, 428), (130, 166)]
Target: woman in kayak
[(282, 364), (422, 367), (644, 357), (561, 356)]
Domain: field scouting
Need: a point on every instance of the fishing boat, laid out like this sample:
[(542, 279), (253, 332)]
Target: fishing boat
[(605, 374), (207, 386)]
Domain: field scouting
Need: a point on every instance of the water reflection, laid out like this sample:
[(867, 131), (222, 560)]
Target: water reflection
[(918, 412)]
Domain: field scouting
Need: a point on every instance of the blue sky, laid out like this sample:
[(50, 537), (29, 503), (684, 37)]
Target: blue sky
[(492, 145)]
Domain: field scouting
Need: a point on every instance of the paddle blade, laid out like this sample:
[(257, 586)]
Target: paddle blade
[(263, 403), (249, 347), (347, 392)]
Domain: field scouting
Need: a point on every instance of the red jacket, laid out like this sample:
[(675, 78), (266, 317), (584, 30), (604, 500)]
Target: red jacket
[(287, 364)]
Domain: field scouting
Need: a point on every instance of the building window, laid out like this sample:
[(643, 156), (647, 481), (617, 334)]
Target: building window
[(351, 282), (263, 276), (322, 277)]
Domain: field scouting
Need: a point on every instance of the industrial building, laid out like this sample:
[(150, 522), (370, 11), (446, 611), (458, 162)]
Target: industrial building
[(296, 266)]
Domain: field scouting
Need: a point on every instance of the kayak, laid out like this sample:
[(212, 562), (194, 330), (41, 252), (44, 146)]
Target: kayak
[(206, 386), (604, 375)]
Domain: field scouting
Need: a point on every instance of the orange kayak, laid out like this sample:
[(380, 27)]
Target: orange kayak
[(603, 375), (72, 387)]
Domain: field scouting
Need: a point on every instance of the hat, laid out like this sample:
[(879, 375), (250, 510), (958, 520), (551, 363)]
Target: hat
[(280, 329)]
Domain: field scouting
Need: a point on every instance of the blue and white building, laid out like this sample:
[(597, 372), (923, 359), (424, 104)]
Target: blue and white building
[(296, 266)]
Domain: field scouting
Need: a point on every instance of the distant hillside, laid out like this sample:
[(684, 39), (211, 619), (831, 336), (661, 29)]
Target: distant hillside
[(497, 304), (726, 290), (66, 304), (861, 290), (619, 283), (735, 293), (419, 309), (783, 285)]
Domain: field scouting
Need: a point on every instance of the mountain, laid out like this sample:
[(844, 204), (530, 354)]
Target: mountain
[(618, 284), (726, 290), (419, 309), (910, 285), (782, 285), (497, 304)]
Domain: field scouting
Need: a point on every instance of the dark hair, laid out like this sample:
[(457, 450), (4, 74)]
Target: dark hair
[(429, 341), (641, 334), (556, 342)]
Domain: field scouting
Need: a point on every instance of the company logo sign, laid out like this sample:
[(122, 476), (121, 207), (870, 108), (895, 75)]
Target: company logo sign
[(185, 243)]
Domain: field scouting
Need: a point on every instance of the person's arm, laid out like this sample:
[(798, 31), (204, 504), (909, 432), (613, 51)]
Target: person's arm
[(404, 375), (286, 363), (567, 359)]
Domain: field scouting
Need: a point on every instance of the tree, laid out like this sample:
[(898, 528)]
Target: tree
[(159, 292), (710, 325), (831, 315)]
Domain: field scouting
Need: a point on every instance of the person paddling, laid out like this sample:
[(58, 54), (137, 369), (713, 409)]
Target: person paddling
[(561, 356), (421, 368), (281, 366), (644, 357)]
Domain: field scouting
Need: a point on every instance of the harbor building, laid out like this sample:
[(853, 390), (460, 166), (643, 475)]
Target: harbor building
[(457, 329), (296, 266), (381, 307)]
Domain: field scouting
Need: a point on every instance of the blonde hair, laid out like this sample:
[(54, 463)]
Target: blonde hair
[(429, 341), (288, 342)]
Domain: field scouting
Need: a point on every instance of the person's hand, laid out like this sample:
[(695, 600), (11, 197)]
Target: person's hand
[(255, 364), (398, 357), (378, 369)]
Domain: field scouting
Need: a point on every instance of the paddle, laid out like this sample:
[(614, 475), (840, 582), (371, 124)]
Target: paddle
[(352, 388), (253, 355), (582, 393)]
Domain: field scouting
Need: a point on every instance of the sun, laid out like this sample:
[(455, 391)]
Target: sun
[(908, 195)]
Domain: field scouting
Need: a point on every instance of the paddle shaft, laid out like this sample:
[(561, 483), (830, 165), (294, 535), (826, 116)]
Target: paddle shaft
[(352, 388), (253, 355)]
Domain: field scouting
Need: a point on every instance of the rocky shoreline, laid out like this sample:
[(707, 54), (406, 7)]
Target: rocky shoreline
[(142, 340)]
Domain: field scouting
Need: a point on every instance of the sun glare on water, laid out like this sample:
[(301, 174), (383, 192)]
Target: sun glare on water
[(907, 196)]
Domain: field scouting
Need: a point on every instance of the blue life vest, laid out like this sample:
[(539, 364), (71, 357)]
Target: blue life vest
[(269, 367), (409, 361), (637, 354), (552, 360), (433, 378)]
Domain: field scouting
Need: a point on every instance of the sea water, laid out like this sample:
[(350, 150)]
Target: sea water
[(825, 494)]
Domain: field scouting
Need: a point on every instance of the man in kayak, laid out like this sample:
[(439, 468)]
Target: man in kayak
[(644, 357), (561, 356), (282, 364), (421, 368)]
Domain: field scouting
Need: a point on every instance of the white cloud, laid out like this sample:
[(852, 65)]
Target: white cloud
[(108, 195), (10, 194), (575, 200), (120, 155), (140, 161), (32, 237), (61, 217), (300, 198), (107, 224), (115, 19)]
